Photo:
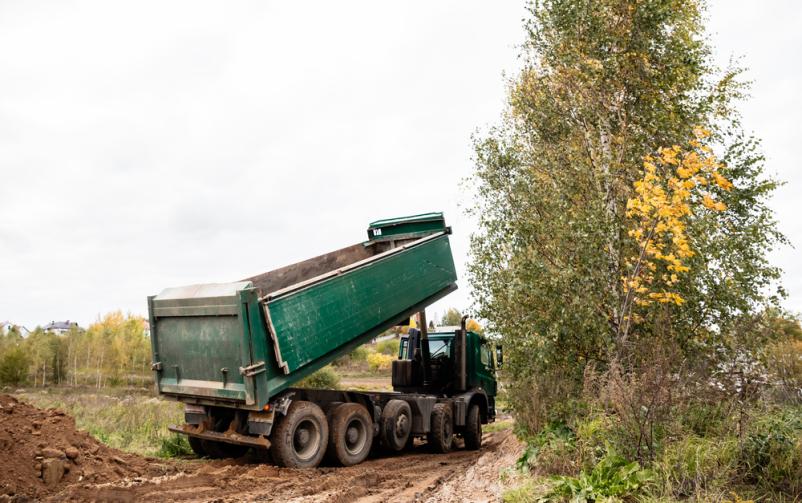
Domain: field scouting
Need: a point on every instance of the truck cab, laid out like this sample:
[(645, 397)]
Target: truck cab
[(451, 362)]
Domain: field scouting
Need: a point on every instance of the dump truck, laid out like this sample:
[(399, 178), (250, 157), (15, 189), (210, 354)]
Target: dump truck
[(234, 354)]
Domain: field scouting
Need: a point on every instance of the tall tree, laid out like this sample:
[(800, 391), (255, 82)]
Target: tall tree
[(606, 85)]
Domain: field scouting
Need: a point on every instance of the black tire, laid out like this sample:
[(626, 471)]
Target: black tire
[(219, 450), (396, 425), (350, 434), (300, 438), (441, 435), (196, 445), (473, 429)]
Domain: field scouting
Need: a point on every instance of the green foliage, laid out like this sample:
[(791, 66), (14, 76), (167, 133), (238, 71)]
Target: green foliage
[(388, 347), (451, 318), (606, 83), (771, 452), (174, 446), (612, 477), (113, 351), (696, 467), (325, 378), (14, 365), (359, 354)]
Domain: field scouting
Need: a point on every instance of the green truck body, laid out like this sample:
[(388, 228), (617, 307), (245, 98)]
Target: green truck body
[(239, 344), (234, 352)]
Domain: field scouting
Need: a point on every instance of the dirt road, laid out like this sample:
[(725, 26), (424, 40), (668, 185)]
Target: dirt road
[(92, 472), (414, 476)]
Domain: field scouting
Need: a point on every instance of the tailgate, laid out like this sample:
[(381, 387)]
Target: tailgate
[(202, 343)]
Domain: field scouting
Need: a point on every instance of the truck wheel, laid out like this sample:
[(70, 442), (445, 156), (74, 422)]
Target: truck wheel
[(196, 445), (473, 429), (300, 438), (350, 434), (221, 450), (396, 424), (441, 436)]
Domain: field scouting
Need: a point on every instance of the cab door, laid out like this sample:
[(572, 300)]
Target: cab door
[(485, 370)]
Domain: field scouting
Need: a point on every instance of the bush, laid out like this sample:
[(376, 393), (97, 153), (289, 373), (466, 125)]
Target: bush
[(771, 453), (378, 361), (359, 354), (325, 378), (388, 347)]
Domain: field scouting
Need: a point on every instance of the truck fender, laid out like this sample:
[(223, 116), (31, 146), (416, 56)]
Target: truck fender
[(463, 402)]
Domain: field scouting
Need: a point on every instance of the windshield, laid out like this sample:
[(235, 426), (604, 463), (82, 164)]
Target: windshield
[(439, 347)]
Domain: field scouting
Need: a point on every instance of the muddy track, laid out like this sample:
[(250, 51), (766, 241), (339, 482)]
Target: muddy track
[(415, 476)]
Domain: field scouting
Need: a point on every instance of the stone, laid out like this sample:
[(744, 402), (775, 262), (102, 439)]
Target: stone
[(50, 452), (72, 452), (52, 471)]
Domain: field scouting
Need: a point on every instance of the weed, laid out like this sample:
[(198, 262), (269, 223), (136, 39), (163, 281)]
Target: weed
[(388, 347), (174, 446), (612, 477)]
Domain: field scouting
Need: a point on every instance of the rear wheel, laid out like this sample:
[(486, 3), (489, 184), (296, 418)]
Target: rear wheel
[(350, 434), (196, 445), (223, 450), (473, 429), (300, 438), (396, 425), (441, 436)]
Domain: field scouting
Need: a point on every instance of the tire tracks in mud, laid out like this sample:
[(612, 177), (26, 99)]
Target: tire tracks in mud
[(417, 475)]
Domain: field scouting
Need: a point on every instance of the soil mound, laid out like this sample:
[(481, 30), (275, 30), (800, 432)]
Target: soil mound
[(41, 452)]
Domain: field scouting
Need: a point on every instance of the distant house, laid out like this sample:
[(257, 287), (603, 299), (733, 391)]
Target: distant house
[(60, 327)]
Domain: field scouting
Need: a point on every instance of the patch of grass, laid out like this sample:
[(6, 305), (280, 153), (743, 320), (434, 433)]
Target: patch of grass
[(130, 421), (174, 446), (505, 424)]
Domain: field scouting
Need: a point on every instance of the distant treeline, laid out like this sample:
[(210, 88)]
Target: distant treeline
[(115, 350)]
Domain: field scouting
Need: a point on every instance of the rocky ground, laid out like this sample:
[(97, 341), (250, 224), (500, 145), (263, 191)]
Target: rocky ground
[(46, 458)]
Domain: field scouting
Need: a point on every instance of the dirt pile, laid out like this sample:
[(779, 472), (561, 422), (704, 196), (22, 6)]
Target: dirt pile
[(42, 452)]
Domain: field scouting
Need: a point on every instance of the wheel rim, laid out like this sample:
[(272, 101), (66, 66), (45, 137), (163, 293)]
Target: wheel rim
[(306, 439), (356, 436), (401, 426)]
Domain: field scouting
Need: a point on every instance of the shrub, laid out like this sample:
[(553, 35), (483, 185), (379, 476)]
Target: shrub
[(771, 453), (388, 347), (325, 378), (612, 477), (550, 451), (359, 354), (378, 361), (695, 467)]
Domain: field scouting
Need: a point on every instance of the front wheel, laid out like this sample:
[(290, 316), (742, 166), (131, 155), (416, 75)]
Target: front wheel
[(222, 450), (300, 438), (196, 446), (441, 435), (473, 429)]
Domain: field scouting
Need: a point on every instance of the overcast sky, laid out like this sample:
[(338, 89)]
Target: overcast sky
[(153, 144)]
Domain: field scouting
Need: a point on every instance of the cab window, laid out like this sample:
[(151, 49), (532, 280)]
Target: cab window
[(485, 356)]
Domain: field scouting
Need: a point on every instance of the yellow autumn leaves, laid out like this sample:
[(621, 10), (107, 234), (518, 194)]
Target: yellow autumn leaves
[(674, 180)]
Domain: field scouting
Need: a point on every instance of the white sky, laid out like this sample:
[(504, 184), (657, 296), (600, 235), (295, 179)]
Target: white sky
[(153, 144)]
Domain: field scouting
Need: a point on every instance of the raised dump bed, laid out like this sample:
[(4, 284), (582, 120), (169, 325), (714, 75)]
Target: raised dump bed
[(240, 344)]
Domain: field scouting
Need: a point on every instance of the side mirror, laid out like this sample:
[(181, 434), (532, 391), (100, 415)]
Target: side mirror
[(499, 356)]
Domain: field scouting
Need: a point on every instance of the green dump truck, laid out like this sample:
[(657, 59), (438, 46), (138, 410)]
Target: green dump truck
[(231, 352)]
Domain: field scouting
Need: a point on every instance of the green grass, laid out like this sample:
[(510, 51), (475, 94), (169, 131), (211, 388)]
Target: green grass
[(129, 420)]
